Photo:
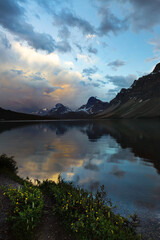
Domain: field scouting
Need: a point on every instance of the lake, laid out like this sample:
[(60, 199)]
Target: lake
[(124, 155)]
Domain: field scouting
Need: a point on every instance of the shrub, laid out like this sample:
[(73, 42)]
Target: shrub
[(8, 163), (90, 217), (26, 210)]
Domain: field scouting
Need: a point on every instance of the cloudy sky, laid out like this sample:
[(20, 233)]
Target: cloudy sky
[(66, 51)]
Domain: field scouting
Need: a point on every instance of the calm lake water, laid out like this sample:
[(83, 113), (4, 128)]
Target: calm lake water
[(123, 155)]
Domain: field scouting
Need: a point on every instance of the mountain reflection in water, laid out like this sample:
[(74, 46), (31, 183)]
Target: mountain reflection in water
[(121, 154)]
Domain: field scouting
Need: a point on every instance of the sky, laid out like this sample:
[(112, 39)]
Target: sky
[(66, 51)]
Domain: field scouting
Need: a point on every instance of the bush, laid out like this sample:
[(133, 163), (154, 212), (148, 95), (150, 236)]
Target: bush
[(89, 216), (8, 163), (26, 210)]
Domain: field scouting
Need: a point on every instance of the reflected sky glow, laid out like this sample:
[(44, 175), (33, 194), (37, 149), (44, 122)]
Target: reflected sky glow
[(92, 154)]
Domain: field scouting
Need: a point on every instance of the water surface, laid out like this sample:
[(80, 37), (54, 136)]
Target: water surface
[(123, 155)]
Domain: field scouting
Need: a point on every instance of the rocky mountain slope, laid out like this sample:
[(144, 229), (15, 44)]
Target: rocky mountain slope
[(93, 106), (59, 109), (41, 112), (141, 100)]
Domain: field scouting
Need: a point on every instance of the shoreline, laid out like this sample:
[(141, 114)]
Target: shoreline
[(49, 189), (66, 201)]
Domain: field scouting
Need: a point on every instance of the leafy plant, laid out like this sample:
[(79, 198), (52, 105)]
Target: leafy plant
[(90, 217), (26, 210), (8, 163)]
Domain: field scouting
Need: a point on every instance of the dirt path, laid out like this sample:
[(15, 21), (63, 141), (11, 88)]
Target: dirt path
[(50, 227)]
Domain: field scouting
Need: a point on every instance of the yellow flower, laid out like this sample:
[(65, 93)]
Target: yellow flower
[(86, 211), (112, 231), (97, 218), (87, 215), (16, 202)]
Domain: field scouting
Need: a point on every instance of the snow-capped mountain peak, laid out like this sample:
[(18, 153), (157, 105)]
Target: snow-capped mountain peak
[(59, 109)]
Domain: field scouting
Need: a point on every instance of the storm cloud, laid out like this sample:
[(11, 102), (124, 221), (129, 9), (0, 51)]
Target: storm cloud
[(90, 71), (116, 64), (4, 40), (121, 81), (92, 50), (66, 17), (12, 18), (140, 14), (110, 23)]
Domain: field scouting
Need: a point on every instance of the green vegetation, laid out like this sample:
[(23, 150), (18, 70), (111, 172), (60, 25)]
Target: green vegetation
[(89, 216), (8, 163), (26, 210), (8, 166)]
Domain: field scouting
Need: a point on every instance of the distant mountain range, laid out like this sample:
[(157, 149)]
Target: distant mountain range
[(141, 100), (92, 107)]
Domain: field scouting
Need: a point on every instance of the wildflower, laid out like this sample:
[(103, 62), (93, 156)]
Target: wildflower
[(97, 218), (112, 231)]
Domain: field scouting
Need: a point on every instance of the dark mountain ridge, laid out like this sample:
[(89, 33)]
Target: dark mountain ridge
[(11, 115), (93, 106), (141, 100)]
